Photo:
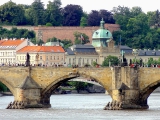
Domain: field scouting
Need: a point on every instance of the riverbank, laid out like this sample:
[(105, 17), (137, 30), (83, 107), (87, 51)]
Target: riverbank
[(6, 94)]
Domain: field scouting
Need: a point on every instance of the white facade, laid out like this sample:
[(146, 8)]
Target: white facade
[(8, 51), (80, 60)]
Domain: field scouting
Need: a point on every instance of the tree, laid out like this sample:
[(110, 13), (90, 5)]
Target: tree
[(94, 18), (17, 33), (54, 15), (110, 60), (40, 42), (28, 16), (154, 18), (79, 85), (72, 15), (11, 13), (81, 38), (83, 22), (36, 13), (48, 24), (121, 16), (135, 11), (107, 16), (65, 43)]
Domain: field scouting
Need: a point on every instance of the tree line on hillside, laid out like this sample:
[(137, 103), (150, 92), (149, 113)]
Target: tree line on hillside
[(53, 15), (138, 29)]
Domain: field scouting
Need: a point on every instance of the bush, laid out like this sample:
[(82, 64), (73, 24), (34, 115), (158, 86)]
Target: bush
[(49, 24)]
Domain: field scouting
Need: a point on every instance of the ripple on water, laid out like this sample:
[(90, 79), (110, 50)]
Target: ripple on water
[(80, 107)]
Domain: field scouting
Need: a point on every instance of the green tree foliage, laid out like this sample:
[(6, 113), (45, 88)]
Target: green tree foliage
[(65, 43), (83, 22), (121, 16), (16, 33), (11, 13), (110, 60), (94, 63), (3, 87), (53, 11), (37, 13), (72, 15), (154, 18), (138, 29), (48, 24), (95, 16), (107, 16), (79, 85), (54, 39), (40, 42), (81, 38)]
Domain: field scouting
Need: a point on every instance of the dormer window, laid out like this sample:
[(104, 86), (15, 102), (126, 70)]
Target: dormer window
[(154, 53), (97, 33), (107, 33)]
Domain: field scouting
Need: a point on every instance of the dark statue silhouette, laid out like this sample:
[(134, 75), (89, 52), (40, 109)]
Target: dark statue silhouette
[(27, 60)]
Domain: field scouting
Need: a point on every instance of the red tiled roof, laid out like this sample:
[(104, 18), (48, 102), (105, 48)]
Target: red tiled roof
[(41, 49), (10, 42)]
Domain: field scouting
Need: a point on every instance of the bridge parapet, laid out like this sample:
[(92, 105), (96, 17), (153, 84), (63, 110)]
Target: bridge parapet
[(128, 87)]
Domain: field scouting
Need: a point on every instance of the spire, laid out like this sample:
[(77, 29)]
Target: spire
[(102, 24)]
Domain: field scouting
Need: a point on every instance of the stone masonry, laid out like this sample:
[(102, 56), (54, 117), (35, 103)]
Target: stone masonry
[(128, 87)]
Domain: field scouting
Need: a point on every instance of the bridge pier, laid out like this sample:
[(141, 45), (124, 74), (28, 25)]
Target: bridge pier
[(27, 95), (125, 90), (45, 101)]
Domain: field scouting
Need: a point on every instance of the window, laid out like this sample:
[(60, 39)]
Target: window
[(40, 57)]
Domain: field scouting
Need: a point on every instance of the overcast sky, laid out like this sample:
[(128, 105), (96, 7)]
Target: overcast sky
[(88, 5)]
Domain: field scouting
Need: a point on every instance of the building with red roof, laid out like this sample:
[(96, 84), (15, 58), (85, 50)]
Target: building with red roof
[(8, 49), (42, 55)]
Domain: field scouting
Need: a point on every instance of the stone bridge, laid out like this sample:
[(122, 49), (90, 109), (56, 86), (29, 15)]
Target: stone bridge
[(128, 87)]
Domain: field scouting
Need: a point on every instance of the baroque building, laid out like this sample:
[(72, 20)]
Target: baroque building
[(42, 55), (8, 49)]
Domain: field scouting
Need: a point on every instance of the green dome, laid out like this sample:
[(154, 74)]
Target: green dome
[(102, 33), (101, 36)]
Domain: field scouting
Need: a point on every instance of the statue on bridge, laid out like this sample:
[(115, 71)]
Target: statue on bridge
[(124, 60), (27, 60)]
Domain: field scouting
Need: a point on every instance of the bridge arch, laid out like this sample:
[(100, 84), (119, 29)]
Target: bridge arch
[(145, 93), (10, 86), (47, 92), (50, 88)]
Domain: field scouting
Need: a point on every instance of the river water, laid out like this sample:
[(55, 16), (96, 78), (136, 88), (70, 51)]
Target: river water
[(80, 107)]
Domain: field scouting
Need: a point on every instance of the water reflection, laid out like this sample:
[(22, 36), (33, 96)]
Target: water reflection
[(80, 107)]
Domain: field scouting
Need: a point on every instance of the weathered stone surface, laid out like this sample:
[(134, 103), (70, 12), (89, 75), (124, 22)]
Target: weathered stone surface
[(128, 87)]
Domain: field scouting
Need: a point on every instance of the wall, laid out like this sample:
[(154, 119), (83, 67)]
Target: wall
[(44, 33)]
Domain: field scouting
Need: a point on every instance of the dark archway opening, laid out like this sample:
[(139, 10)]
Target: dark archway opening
[(56, 99), (6, 96), (4, 90), (151, 96), (79, 85)]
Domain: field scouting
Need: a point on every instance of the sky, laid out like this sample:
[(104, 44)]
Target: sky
[(88, 5)]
